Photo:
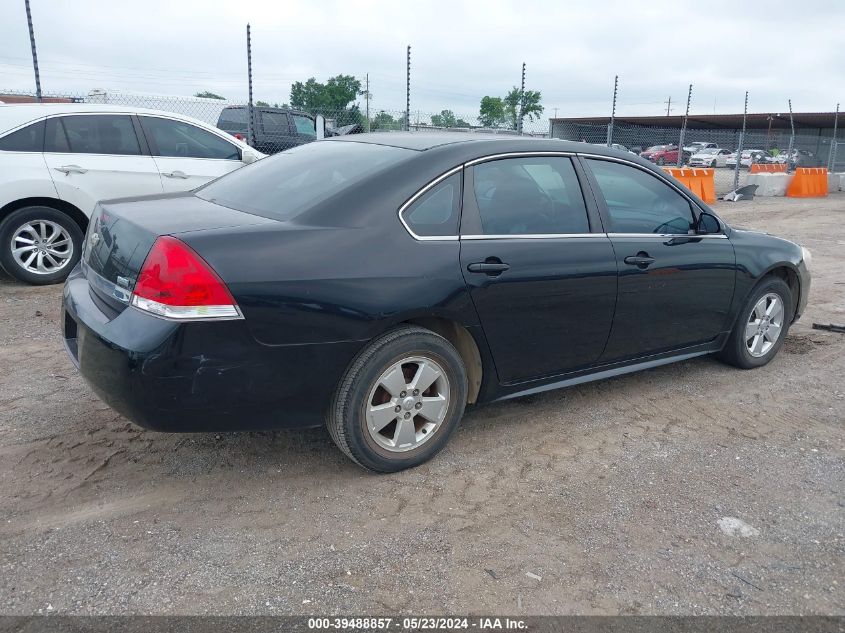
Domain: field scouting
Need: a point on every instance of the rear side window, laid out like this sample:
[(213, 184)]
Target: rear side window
[(233, 119), (93, 134), (638, 202), (530, 196), (284, 185), (275, 122), (179, 139), (436, 212), (304, 125), (28, 139)]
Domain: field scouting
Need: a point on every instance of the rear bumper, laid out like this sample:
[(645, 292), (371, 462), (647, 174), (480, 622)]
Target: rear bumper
[(198, 376)]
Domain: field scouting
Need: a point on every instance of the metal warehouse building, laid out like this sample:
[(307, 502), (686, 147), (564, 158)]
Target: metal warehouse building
[(814, 131)]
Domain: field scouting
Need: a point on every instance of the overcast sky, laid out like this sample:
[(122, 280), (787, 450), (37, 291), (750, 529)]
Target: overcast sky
[(461, 51)]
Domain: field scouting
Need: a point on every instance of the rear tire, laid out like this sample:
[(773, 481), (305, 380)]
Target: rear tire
[(39, 245), (762, 326), (379, 419)]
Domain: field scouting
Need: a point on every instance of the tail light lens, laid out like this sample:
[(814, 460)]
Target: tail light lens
[(176, 283)]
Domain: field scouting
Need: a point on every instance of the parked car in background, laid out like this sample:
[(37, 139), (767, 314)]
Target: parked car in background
[(662, 154), (749, 156), (58, 160), (621, 148), (274, 129), (710, 157), (697, 146), (494, 268), (799, 158)]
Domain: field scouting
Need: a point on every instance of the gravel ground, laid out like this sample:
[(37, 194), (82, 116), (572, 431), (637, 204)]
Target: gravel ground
[(690, 489)]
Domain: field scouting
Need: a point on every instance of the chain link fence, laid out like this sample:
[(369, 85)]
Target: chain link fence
[(711, 147), (275, 127)]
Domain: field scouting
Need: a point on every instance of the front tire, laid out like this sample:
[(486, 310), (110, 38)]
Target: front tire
[(762, 326), (399, 401), (39, 245)]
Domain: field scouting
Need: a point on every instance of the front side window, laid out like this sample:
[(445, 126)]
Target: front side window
[(638, 202), (93, 134), (179, 139), (529, 196), (28, 139), (304, 125), (436, 212)]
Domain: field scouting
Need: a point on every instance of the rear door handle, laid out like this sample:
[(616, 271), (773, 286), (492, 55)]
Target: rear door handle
[(175, 174), (70, 169), (490, 268), (640, 260)]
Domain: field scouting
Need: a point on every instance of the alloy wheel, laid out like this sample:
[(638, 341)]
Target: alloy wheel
[(42, 247), (407, 404), (764, 325)]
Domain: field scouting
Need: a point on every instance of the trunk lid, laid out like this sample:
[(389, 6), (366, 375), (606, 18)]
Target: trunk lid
[(122, 232)]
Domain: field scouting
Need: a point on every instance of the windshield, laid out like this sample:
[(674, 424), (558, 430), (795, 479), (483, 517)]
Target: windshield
[(284, 185), (656, 148)]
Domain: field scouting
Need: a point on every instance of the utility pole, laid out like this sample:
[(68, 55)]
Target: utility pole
[(34, 54), (668, 106), (250, 121), (831, 158), (684, 130), (368, 102), (521, 100), (791, 136), (612, 112), (408, 91), (741, 139)]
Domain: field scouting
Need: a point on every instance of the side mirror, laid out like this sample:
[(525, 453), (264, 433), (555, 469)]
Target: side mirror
[(708, 224), (248, 156), (320, 123)]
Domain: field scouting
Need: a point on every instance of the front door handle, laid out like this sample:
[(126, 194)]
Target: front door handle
[(70, 169), (641, 260), (175, 174), (489, 267)]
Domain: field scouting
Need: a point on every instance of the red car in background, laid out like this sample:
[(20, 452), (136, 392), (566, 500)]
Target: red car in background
[(663, 154)]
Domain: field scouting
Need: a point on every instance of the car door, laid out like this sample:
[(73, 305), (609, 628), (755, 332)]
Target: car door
[(540, 270), (94, 157), (186, 155), (675, 287)]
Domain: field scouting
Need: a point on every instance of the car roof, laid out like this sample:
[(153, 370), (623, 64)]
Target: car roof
[(15, 114)]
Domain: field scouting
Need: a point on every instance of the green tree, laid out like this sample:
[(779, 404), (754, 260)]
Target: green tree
[(462, 123), (446, 118), (209, 95), (526, 101), (262, 104), (331, 99), (384, 121), (492, 112)]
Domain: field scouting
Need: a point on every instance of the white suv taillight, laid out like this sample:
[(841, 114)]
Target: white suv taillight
[(176, 283)]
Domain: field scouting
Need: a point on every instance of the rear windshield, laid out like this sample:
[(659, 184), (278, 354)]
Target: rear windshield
[(282, 186)]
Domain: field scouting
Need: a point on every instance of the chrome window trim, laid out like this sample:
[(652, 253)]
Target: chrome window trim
[(534, 236), (663, 236), (416, 196), (524, 154)]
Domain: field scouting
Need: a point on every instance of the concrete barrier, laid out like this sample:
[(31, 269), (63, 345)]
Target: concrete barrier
[(841, 181), (834, 183), (768, 184)]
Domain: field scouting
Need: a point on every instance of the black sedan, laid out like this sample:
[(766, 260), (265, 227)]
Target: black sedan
[(380, 283)]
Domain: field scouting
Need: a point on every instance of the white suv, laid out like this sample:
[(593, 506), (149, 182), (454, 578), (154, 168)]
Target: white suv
[(58, 160)]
